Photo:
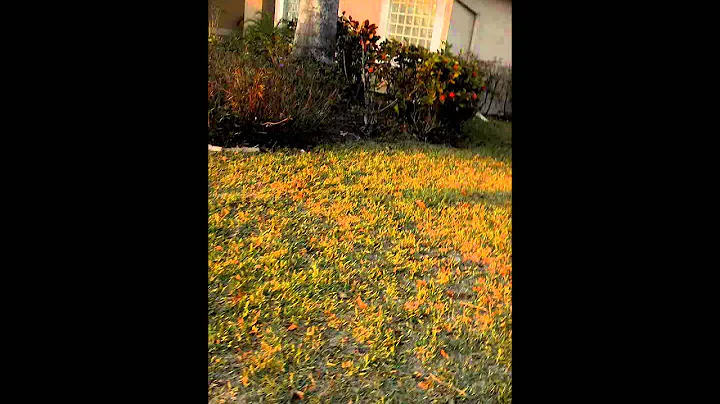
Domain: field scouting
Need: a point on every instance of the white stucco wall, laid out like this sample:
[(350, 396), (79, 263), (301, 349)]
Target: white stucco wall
[(492, 35)]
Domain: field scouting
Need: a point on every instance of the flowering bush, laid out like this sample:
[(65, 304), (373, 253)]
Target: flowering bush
[(435, 92), (432, 93)]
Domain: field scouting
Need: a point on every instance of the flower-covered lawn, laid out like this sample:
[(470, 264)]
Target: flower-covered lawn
[(364, 273)]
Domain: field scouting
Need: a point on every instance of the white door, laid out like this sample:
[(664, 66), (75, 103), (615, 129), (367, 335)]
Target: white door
[(461, 27)]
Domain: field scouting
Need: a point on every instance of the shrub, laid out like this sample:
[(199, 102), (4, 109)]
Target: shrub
[(435, 92), (263, 38), (257, 96), (432, 93), (286, 104), (357, 52), (259, 40), (357, 45)]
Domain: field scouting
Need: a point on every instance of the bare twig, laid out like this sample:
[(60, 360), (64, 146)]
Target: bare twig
[(388, 106), (269, 124)]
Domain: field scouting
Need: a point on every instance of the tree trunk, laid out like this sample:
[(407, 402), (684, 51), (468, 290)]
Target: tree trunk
[(316, 30)]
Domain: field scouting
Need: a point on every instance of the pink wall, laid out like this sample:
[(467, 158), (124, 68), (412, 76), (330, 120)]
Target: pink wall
[(362, 10), (252, 7)]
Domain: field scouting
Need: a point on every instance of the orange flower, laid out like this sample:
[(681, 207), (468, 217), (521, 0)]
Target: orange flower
[(442, 97)]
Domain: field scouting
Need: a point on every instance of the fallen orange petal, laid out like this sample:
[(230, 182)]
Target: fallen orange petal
[(360, 303)]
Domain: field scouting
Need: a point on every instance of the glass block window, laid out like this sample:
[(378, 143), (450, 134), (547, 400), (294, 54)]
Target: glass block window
[(291, 9), (411, 21)]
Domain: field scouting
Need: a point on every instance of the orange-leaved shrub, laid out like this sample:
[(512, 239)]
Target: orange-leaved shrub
[(409, 89), (251, 103)]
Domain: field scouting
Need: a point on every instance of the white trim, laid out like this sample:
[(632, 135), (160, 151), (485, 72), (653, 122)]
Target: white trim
[(472, 5), (438, 23), (474, 37), (384, 16), (279, 10)]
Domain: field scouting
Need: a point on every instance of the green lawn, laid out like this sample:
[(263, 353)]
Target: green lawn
[(494, 133), (364, 273)]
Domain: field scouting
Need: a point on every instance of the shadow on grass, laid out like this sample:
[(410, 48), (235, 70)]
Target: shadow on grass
[(493, 134), (498, 152), (449, 197)]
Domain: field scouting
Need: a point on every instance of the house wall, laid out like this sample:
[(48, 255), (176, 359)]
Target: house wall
[(491, 35), (231, 12), (269, 7), (252, 7), (362, 10)]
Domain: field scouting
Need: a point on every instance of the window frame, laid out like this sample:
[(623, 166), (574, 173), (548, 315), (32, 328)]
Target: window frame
[(280, 10), (438, 22)]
